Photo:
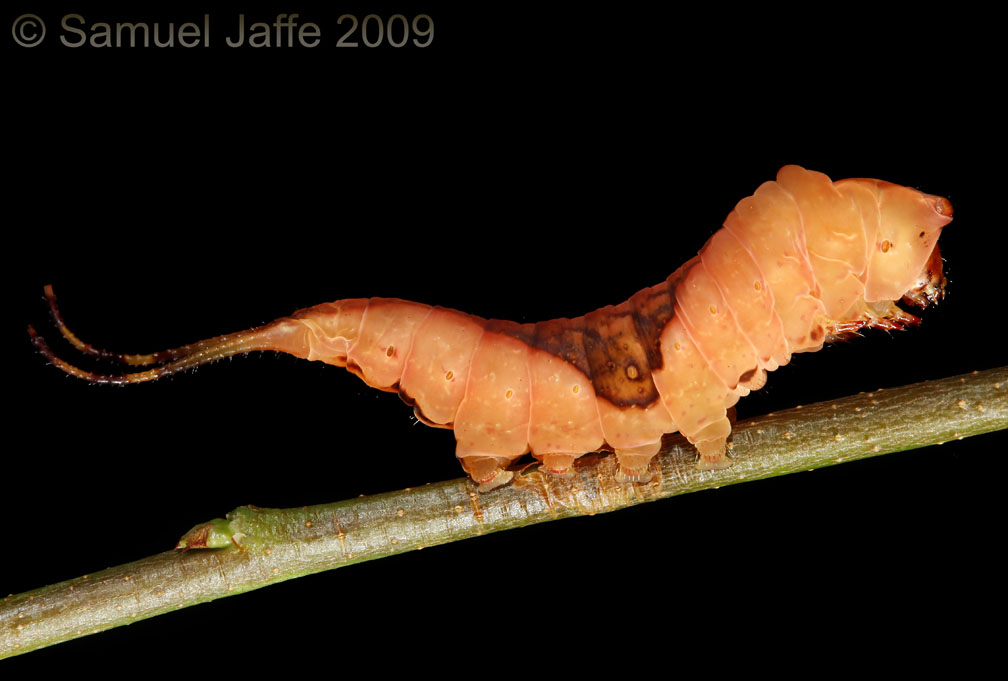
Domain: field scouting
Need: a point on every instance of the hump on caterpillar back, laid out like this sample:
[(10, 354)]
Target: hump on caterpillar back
[(903, 256)]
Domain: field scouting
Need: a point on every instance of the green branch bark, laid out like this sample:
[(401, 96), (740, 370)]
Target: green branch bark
[(263, 546)]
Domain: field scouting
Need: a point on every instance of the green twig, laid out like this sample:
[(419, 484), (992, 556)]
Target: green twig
[(264, 546)]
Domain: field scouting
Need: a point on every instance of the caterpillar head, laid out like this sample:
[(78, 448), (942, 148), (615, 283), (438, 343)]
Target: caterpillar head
[(930, 285), (904, 261)]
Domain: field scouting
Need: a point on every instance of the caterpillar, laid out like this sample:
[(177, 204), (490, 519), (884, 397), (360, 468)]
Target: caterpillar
[(802, 262)]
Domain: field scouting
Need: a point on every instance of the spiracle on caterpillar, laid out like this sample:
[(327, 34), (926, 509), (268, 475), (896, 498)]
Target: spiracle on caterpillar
[(802, 262)]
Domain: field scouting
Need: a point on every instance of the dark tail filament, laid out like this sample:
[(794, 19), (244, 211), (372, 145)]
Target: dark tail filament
[(121, 358), (171, 361)]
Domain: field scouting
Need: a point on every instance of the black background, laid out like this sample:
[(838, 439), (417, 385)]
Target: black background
[(529, 164)]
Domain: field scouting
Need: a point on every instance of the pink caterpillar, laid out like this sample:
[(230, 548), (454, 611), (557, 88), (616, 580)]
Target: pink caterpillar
[(801, 262)]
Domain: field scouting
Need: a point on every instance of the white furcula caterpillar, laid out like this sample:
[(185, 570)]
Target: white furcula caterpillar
[(799, 263)]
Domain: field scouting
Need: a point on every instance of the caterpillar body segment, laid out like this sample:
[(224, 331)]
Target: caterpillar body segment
[(801, 262)]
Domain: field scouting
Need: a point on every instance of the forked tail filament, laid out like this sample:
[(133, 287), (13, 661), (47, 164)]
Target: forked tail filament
[(168, 361)]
